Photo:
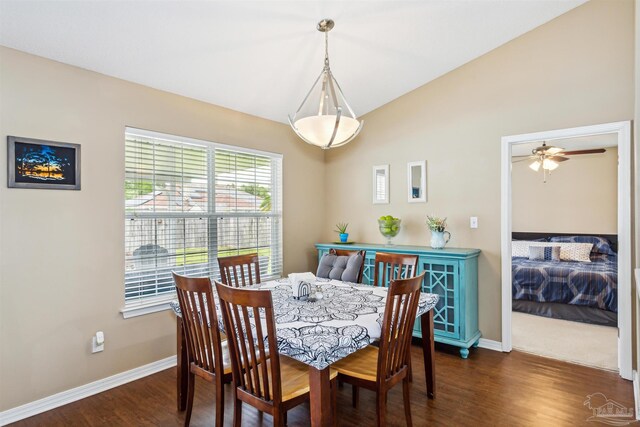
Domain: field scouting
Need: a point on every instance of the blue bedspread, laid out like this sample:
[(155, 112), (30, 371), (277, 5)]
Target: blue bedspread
[(591, 284)]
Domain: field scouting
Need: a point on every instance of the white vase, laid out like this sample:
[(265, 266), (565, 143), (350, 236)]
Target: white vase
[(437, 239)]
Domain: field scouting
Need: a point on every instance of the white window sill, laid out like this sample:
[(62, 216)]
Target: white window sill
[(147, 307)]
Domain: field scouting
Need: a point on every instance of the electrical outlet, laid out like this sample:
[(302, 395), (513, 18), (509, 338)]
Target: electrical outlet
[(473, 222), (97, 343)]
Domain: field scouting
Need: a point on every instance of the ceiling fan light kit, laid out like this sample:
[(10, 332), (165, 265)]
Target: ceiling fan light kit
[(324, 118)]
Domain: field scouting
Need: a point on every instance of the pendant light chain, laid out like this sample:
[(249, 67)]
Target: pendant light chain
[(326, 50)]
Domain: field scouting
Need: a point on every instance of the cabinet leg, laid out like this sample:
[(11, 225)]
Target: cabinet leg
[(476, 344), (464, 353)]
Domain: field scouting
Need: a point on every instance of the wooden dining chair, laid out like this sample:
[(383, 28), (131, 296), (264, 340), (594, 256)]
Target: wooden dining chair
[(240, 270), (207, 352), (344, 252), (261, 378), (388, 267), (380, 368)]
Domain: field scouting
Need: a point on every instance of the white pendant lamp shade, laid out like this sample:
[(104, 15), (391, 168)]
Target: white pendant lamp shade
[(549, 164), (324, 118), (318, 130), (535, 165)]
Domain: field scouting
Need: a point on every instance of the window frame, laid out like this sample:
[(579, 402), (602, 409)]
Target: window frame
[(151, 304)]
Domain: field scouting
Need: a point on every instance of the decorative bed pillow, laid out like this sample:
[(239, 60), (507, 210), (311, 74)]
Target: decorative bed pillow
[(568, 251), (520, 248), (575, 251), (345, 268), (544, 253), (600, 244)]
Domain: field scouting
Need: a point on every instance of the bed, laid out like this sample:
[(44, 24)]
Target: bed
[(570, 290)]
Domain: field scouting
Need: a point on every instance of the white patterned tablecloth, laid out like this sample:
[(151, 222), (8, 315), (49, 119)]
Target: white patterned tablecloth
[(346, 319)]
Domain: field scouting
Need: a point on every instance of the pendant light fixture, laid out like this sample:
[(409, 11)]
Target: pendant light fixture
[(324, 118)]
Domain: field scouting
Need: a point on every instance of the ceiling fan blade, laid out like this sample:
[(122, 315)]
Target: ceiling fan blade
[(594, 151), (558, 158), (554, 150), (522, 159)]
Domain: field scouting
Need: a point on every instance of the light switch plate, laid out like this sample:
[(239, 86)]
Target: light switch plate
[(473, 222)]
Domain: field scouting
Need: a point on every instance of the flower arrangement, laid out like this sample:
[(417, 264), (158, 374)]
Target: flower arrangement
[(436, 224)]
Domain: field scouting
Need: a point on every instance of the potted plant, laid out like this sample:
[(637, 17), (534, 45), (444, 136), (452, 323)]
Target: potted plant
[(437, 226), (341, 228)]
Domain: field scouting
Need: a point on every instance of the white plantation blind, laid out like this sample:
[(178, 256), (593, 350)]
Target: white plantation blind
[(188, 202)]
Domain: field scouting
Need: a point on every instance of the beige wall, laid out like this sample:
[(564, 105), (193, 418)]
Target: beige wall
[(581, 196), (575, 70), (62, 252)]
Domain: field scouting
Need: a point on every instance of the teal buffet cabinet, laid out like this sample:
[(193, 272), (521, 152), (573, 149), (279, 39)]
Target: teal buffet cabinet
[(452, 273)]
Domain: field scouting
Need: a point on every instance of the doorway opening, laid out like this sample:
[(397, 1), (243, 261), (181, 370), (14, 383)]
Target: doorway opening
[(584, 293)]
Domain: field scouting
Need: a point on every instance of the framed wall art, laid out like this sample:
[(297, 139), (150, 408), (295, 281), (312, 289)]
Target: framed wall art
[(417, 181), (35, 163), (380, 184)]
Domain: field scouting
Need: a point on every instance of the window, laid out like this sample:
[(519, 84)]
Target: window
[(188, 202)]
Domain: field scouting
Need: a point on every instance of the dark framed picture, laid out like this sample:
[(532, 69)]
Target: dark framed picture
[(34, 163)]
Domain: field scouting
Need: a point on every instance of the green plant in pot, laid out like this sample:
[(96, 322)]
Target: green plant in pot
[(438, 230), (341, 229), (389, 227)]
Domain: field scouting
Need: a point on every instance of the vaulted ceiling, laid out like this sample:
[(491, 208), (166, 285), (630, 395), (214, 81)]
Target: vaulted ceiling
[(260, 57)]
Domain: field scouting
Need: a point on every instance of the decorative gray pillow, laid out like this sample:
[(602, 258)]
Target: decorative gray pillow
[(544, 253), (345, 268)]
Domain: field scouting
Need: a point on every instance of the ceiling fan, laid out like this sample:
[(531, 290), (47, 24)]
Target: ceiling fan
[(549, 157)]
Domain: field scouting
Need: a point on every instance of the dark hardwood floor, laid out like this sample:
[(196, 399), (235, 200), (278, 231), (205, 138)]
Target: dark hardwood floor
[(489, 388)]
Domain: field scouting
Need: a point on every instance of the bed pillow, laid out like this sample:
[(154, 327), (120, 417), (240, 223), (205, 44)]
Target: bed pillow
[(345, 268), (600, 244), (575, 251), (520, 248), (568, 251), (544, 253)]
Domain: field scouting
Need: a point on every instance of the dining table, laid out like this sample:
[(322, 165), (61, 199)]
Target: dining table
[(338, 319)]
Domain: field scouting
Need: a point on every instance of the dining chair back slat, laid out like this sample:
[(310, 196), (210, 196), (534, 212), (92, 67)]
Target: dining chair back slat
[(204, 341), (200, 321), (252, 363), (390, 266), (261, 377), (240, 270), (381, 368), (397, 326)]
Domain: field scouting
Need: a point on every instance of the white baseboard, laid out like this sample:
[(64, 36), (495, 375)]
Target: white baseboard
[(636, 393), (490, 344), (30, 409)]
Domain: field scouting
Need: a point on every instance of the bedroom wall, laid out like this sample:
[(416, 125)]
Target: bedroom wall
[(575, 70), (62, 252), (580, 196)]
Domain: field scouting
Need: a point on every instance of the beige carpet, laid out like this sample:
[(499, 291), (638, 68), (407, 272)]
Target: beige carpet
[(574, 342)]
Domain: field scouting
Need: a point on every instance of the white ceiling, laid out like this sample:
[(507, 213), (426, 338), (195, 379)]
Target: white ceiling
[(261, 57)]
